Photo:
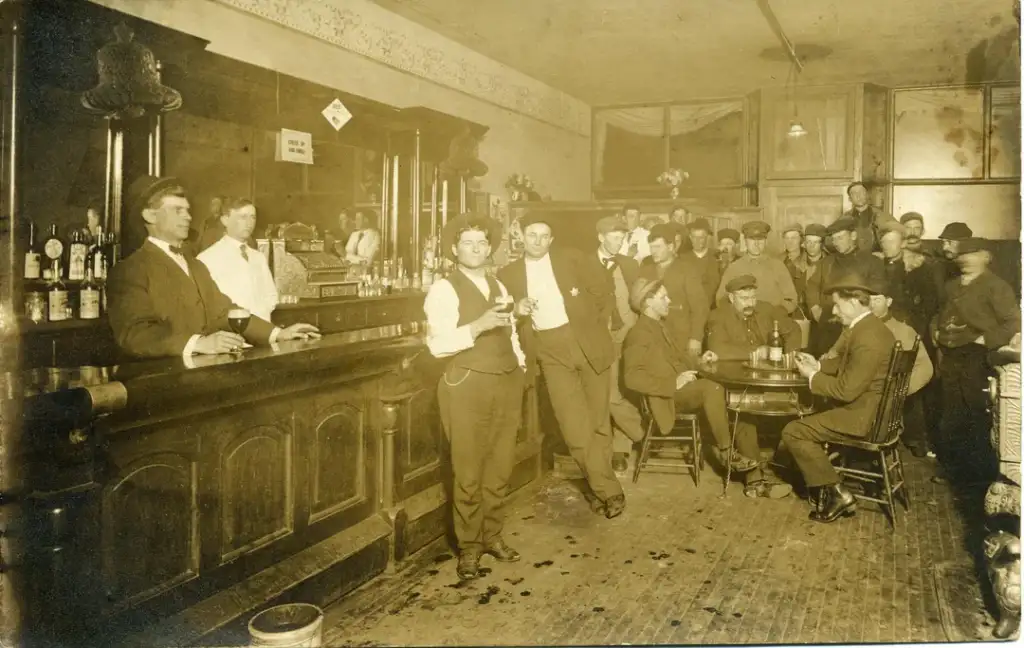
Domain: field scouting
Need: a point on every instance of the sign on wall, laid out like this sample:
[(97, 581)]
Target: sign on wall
[(337, 114), (294, 146)]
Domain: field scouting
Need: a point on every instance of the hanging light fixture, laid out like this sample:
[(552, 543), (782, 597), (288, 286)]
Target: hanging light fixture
[(796, 127)]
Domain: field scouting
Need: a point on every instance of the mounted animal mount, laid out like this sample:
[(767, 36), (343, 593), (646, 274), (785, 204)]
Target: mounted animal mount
[(129, 84), (464, 157)]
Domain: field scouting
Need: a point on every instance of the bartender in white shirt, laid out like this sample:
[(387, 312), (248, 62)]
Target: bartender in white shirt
[(364, 243), (241, 271), (635, 245), (480, 396)]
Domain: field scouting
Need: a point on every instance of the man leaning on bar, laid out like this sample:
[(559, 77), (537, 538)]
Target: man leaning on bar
[(162, 301)]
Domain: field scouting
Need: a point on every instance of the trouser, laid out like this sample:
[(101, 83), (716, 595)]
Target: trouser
[(709, 397), (480, 413), (579, 397), (804, 438), (966, 424), (628, 425), (915, 431)]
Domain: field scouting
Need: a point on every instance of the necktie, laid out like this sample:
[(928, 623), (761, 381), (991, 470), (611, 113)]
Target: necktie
[(245, 254), (176, 250)]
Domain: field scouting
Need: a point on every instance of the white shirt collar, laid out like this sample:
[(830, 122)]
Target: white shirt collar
[(163, 245), (701, 255), (546, 259), (604, 256), (857, 319), (233, 242)]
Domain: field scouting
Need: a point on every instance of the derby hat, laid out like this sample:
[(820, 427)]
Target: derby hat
[(956, 232), (855, 281)]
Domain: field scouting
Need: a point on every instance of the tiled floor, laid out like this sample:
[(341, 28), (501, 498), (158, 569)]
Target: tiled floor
[(683, 565)]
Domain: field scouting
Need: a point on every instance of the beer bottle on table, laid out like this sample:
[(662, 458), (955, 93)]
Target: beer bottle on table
[(775, 345)]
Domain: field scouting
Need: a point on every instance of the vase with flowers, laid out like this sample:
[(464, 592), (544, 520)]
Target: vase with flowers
[(519, 187), (672, 178)]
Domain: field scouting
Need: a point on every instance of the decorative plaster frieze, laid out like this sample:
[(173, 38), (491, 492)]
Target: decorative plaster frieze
[(371, 31)]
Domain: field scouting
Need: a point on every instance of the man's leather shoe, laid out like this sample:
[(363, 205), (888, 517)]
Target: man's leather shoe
[(740, 463), (469, 565), (834, 502), (502, 551), (614, 506)]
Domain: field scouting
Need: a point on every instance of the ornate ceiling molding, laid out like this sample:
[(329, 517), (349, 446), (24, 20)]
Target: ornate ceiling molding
[(373, 32)]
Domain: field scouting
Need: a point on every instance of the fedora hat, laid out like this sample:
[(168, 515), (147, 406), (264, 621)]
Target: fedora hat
[(464, 222)]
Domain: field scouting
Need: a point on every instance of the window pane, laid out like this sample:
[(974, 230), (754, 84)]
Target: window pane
[(706, 141), (630, 146), (939, 133), (822, 149), (1004, 150)]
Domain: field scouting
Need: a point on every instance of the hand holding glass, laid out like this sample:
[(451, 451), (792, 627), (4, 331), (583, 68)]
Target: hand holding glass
[(526, 307), (238, 320), (504, 304)]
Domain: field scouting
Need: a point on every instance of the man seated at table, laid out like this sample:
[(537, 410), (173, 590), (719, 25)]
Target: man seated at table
[(163, 302), (733, 332), (666, 374), (854, 379)]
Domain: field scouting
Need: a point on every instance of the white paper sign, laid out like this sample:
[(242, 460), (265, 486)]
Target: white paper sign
[(295, 146), (337, 114)]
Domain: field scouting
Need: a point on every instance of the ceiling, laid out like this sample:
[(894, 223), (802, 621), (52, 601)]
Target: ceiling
[(618, 51)]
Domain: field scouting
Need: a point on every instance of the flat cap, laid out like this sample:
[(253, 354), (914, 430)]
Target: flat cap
[(814, 229), (956, 232), (911, 216), (793, 227), (144, 188), (641, 290), (533, 217), (972, 245), (892, 225), (700, 224), (728, 233), (664, 231), (742, 282), (756, 229), (611, 224), (842, 225)]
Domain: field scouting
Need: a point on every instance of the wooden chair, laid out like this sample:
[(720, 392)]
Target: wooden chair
[(686, 431), (883, 441)]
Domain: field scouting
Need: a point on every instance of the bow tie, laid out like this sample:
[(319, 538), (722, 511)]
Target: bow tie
[(174, 249)]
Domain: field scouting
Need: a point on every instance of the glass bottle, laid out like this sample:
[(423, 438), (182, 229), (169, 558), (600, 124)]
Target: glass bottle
[(57, 294)]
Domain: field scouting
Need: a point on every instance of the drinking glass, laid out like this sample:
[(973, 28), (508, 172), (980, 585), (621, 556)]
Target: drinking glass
[(506, 304), (238, 319)]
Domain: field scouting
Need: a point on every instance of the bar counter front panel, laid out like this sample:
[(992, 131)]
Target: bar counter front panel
[(169, 500)]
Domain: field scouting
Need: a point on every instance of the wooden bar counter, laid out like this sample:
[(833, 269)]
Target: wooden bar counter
[(168, 501)]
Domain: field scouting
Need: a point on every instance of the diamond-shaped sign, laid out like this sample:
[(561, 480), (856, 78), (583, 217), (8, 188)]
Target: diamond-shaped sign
[(337, 114)]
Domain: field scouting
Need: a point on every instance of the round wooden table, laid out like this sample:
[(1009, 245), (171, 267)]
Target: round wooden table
[(758, 391)]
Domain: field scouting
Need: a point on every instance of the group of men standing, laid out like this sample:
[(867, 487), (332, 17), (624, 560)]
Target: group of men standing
[(637, 316)]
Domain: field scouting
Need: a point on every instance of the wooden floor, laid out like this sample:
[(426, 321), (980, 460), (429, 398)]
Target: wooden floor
[(683, 565)]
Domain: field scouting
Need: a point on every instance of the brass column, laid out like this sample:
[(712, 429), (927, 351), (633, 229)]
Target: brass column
[(12, 484), (156, 135), (385, 203), (417, 210)]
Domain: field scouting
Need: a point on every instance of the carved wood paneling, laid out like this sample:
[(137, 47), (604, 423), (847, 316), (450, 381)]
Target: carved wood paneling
[(257, 490), (338, 459), (419, 436), (150, 538)]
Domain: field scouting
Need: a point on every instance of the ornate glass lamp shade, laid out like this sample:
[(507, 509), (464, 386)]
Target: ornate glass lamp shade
[(129, 84)]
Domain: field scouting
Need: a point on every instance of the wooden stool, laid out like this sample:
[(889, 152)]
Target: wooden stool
[(686, 430)]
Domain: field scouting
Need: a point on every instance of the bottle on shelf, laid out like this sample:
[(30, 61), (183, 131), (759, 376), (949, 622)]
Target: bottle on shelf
[(53, 247), (33, 260), (57, 294), (77, 253), (97, 259), (89, 297), (775, 345)]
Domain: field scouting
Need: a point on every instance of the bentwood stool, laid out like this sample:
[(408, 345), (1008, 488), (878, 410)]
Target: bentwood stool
[(882, 444), (685, 432)]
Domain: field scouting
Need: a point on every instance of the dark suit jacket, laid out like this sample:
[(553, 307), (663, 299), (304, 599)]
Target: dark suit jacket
[(651, 361), (727, 330), (707, 269), (588, 309), (855, 377), (690, 305), (154, 307), (630, 273)]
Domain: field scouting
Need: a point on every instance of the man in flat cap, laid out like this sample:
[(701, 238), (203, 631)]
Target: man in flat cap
[(794, 257), (666, 374), (162, 301), (635, 245), (736, 329), (480, 396), (566, 337), (621, 271), (866, 218), (728, 249), (854, 378), (891, 251), (774, 283), (980, 314), (690, 304), (913, 224), (848, 259), (700, 257)]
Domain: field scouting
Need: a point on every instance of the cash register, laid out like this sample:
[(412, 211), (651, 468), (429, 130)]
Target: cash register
[(303, 269)]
